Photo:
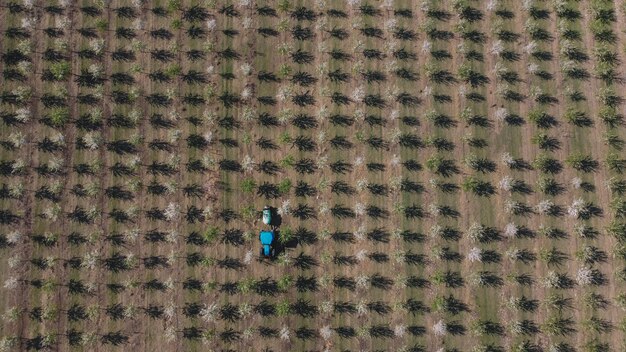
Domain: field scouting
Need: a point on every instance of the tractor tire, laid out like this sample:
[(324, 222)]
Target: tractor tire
[(261, 254)]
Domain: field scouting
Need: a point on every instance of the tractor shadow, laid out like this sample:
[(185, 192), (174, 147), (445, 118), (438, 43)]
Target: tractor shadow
[(277, 220), (281, 246)]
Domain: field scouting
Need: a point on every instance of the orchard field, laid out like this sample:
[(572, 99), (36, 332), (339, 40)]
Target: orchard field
[(447, 175)]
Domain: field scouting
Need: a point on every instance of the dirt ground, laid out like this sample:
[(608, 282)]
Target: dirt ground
[(186, 309)]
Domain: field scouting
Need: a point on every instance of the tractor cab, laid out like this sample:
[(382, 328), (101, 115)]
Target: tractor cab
[(267, 244)]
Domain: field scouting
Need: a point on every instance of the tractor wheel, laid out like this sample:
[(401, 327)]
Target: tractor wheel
[(261, 252), (273, 251)]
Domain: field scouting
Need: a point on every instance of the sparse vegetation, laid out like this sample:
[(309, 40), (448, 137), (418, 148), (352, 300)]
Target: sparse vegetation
[(441, 175)]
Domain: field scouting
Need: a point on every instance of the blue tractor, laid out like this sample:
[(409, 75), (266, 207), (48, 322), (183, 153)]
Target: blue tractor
[(267, 243)]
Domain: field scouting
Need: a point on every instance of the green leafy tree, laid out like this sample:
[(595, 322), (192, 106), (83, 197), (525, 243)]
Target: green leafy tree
[(248, 185), (478, 187), (61, 70), (581, 162)]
